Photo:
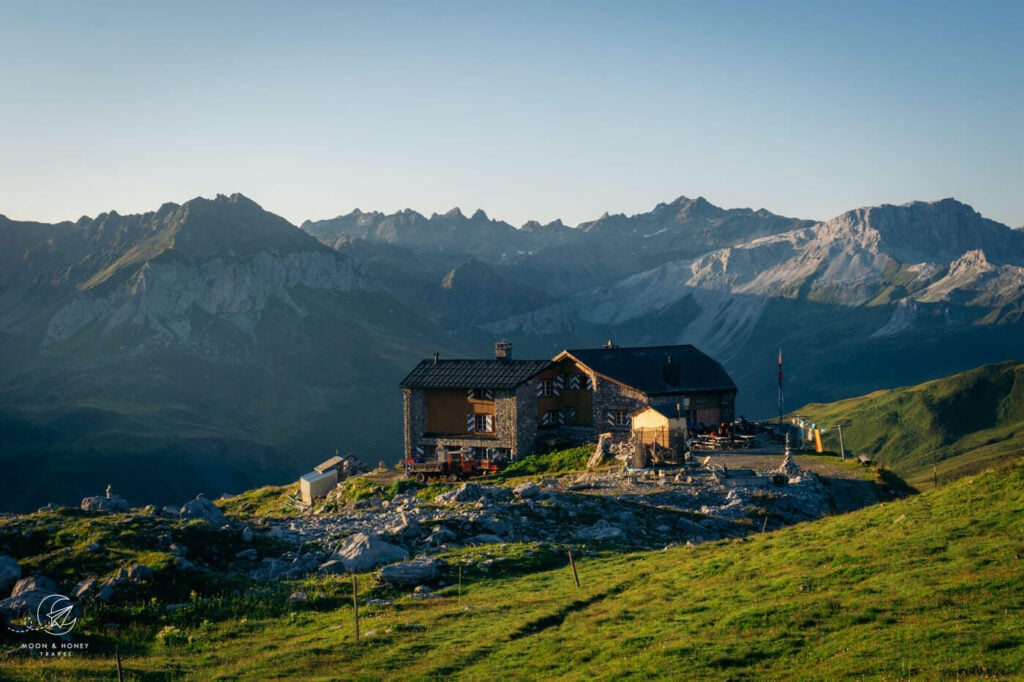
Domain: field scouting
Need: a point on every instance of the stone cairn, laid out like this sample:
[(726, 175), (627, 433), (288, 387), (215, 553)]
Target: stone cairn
[(789, 468)]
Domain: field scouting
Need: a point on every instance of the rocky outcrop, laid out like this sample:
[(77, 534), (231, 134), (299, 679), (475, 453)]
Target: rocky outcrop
[(202, 509), (408, 573), (109, 504), (361, 552)]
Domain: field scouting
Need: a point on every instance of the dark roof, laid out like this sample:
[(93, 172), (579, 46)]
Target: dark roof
[(647, 369), (496, 374)]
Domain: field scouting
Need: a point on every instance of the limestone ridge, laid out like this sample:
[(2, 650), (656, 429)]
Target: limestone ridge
[(736, 282)]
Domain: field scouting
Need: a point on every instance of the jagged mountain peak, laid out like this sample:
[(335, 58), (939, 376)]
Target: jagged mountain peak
[(230, 225), (536, 226)]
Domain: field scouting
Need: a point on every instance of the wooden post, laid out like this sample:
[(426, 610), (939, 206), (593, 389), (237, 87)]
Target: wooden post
[(355, 604), (842, 450), (117, 657), (572, 564)]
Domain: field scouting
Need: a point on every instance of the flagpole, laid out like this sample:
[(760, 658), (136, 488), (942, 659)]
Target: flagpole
[(780, 385)]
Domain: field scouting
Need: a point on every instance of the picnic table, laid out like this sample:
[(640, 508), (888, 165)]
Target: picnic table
[(745, 442)]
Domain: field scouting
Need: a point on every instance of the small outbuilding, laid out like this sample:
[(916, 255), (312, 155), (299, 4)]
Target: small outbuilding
[(653, 427), (315, 484)]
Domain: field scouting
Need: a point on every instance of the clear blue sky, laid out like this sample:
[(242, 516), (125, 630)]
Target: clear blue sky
[(529, 110)]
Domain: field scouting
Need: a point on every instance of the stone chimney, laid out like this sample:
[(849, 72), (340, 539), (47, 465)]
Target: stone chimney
[(503, 350), (671, 372)]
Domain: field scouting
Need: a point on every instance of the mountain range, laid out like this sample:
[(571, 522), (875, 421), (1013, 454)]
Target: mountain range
[(214, 346)]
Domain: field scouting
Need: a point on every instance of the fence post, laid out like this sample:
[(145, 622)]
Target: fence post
[(355, 604), (572, 564)]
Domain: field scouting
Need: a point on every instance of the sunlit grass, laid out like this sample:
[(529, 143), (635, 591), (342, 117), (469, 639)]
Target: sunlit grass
[(925, 587)]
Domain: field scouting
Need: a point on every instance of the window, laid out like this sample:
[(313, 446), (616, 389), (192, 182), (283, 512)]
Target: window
[(549, 418), (480, 394), (547, 388), (480, 423), (618, 418), (580, 382)]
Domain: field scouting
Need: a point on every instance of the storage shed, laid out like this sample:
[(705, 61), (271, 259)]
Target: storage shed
[(653, 427), (317, 484)]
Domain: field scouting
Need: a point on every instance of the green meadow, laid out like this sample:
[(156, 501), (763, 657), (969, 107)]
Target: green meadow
[(937, 431), (928, 587)]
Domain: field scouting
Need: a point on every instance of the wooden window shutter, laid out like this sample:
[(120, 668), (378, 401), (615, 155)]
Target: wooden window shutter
[(470, 422), (590, 383), (489, 423), (540, 388)]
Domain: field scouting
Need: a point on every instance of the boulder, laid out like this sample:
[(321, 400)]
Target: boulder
[(413, 572), (85, 589), (23, 605), (527, 491), (107, 592), (439, 537), (35, 583), (602, 531), (10, 572), (467, 492), (423, 592), (139, 572), (248, 555), (332, 567), (405, 526), (361, 552), (105, 505), (203, 510), (495, 525)]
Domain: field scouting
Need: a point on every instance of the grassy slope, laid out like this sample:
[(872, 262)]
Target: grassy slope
[(928, 587), (949, 427)]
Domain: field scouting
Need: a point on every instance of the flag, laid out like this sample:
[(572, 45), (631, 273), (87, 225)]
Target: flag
[(780, 367)]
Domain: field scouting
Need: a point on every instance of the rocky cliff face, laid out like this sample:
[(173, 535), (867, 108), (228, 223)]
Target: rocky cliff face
[(162, 294)]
